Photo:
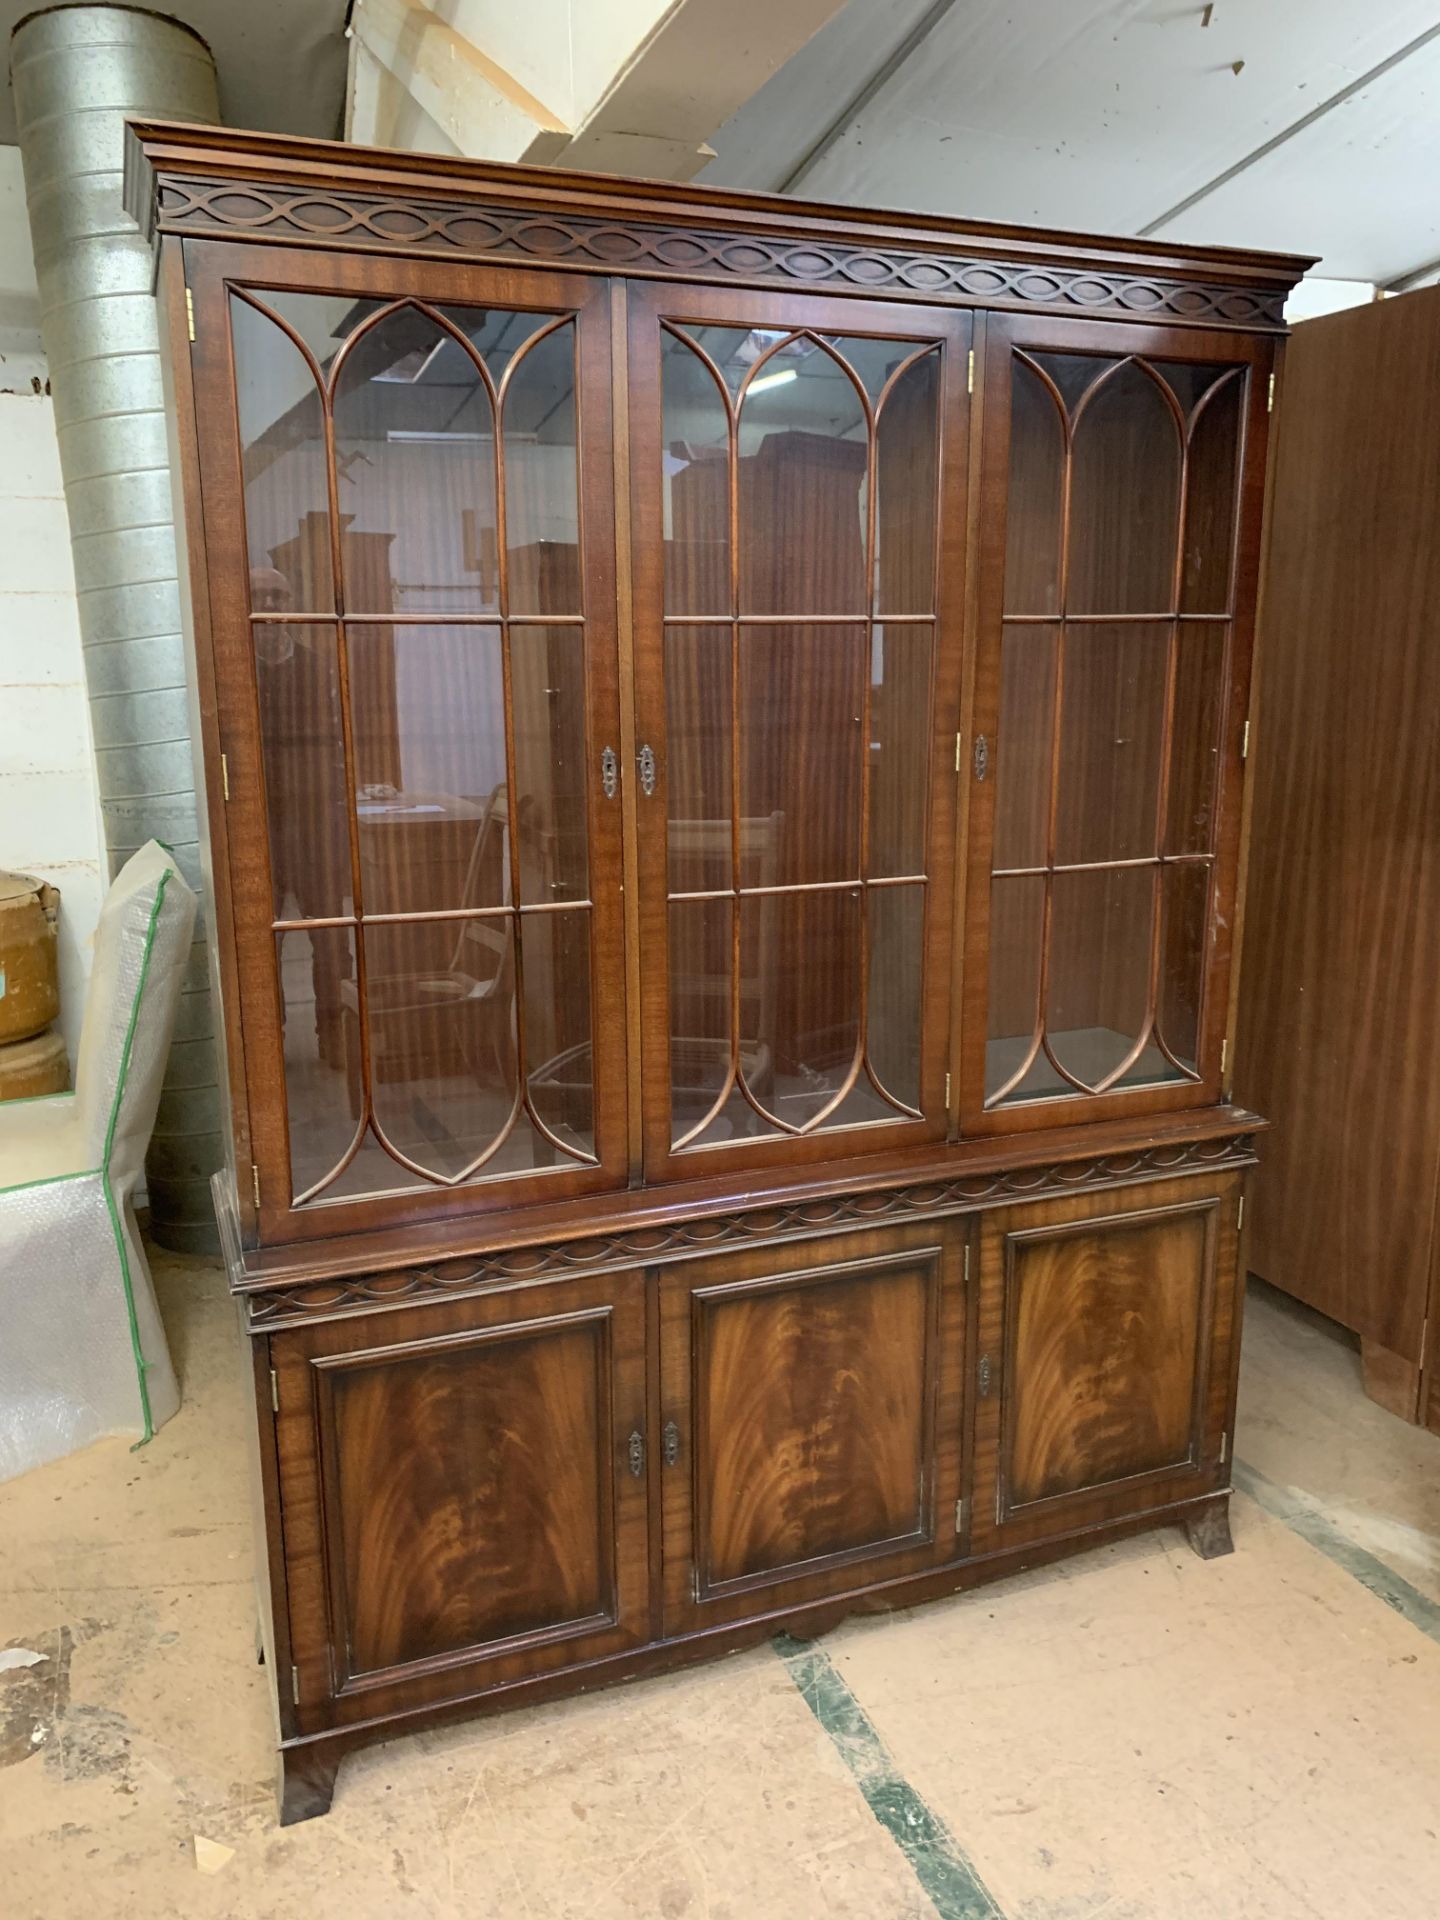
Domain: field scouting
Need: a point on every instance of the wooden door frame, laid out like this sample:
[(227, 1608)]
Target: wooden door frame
[(230, 717), (649, 304), (306, 1361), (1257, 354), (684, 1290)]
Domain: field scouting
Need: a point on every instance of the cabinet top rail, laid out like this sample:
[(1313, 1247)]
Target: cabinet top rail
[(214, 182)]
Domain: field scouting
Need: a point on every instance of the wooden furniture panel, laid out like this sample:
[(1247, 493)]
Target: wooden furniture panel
[(1339, 1016), (1106, 1331), (1122, 487), (679, 675), (463, 1493), (798, 471), (811, 1398)]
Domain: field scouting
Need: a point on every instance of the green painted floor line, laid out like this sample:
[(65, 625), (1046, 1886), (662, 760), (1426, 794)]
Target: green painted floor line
[(1302, 1516), (937, 1859)]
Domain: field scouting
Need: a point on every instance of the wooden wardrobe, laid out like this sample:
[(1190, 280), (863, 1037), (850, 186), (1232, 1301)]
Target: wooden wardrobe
[(723, 729), (1340, 1013)]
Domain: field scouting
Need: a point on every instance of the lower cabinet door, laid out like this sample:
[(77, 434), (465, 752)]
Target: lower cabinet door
[(1104, 1356), (811, 1408), (463, 1493)]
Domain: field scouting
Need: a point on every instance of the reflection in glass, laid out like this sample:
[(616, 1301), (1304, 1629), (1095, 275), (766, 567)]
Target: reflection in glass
[(907, 463), (697, 757), (302, 743), (283, 457), (804, 445), (1017, 927), (801, 712), (1099, 987), (1185, 907), (323, 1097), (428, 721), (695, 481), (1111, 732), (800, 998), (700, 988), (1036, 494), (900, 710), (1212, 496), (547, 678), (897, 934), (555, 950), (1124, 497), (1023, 745), (415, 465), (1195, 743), (542, 502)]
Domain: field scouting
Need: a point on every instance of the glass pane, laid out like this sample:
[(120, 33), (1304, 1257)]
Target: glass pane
[(415, 464), (1185, 911), (547, 679), (799, 998), (497, 334), (907, 458), (871, 360), (695, 477), (697, 757), (1211, 498), (441, 1000), (1195, 746), (555, 953), (303, 747), (897, 955), (700, 976), (803, 460), (318, 1010), (900, 661), (542, 506), (1124, 498), (1111, 733), (1073, 374), (1099, 968), (801, 695), (734, 350), (1017, 930), (283, 459), (428, 722), (1034, 501), (1023, 746)]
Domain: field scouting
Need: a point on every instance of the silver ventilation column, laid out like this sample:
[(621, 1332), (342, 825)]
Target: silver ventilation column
[(78, 72)]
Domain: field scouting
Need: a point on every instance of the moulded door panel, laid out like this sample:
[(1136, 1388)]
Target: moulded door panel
[(463, 1493), (811, 1401), (1104, 1357)]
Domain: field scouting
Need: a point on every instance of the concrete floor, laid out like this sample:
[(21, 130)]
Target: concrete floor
[(1132, 1734)]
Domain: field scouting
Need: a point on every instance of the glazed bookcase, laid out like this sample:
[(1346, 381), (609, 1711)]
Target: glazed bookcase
[(723, 727)]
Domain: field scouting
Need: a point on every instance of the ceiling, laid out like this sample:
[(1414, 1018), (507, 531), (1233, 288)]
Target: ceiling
[(1314, 129), (281, 62)]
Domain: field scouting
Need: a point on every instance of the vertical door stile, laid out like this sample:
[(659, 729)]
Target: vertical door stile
[(625, 645)]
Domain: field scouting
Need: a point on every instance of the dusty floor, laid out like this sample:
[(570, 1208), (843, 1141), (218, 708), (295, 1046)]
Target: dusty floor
[(1133, 1734)]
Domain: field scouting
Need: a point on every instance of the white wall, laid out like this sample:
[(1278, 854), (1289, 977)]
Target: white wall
[(49, 807)]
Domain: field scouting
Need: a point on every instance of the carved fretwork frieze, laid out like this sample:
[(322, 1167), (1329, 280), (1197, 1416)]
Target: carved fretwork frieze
[(470, 230), (779, 1221)]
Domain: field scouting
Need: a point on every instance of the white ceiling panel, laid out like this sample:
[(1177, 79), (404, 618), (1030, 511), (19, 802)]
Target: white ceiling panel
[(1106, 114)]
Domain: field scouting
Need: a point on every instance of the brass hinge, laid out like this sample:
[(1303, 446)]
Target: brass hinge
[(969, 370), (947, 1090), (295, 1685), (1245, 741), (255, 1182), (959, 743), (274, 1391), (1224, 1054), (225, 777), (960, 1515), (190, 315), (1270, 395), (1240, 1214), (965, 1264), (1224, 1448)]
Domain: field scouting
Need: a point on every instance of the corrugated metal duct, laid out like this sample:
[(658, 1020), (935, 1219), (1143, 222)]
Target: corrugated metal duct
[(78, 72)]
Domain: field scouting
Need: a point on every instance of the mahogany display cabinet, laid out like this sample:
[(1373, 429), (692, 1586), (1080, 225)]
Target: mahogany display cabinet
[(723, 725)]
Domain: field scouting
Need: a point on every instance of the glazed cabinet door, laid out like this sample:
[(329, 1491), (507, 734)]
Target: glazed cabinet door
[(407, 500), (462, 1493), (811, 1406), (1108, 1333), (1124, 472), (798, 476)]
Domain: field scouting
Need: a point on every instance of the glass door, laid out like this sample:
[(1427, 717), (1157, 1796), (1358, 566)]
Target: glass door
[(1126, 466), (407, 488), (798, 505)]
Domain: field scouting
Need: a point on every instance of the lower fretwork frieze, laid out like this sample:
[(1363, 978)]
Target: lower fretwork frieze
[(394, 1286)]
